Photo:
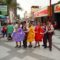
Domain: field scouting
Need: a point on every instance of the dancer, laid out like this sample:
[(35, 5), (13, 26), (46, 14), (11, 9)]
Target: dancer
[(25, 29), (31, 34), (18, 36), (50, 34), (38, 34), (45, 35)]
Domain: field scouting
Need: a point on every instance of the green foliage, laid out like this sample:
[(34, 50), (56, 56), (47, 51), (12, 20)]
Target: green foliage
[(8, 2)]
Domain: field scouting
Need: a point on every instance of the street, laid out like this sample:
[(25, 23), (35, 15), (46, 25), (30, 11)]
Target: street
[(9, 52)]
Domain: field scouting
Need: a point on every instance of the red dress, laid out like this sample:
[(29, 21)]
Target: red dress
[(38, 33)]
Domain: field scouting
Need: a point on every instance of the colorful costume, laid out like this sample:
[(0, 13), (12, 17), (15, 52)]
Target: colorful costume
[(19, 35), (38, 33), (31, 34)]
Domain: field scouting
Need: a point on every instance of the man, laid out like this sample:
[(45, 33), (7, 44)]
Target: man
[(50, 34)]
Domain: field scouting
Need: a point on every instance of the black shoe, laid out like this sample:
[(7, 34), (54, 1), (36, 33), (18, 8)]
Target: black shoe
[(43, 45), (30, 46), (25, 47), (50, 49), (47, 46), (19, 46), (16, 46), (35, 46), (38, 46)]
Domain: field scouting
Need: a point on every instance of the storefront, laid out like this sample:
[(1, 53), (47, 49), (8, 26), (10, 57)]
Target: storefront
[(41, 15), (57, 14)]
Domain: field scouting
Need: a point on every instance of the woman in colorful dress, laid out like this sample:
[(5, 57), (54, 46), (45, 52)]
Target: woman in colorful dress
[(18, 35), (38, 34), (31, 35)]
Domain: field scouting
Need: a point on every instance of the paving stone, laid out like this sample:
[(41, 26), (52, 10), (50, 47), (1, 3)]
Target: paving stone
[(21, 51), (15, 58), (29, 58)]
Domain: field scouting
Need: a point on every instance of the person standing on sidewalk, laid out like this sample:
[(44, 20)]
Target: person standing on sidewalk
[(31, 34), (45, 35), (25, 29), (18, 35), (50, 34), (9, 31), (0, 29), (4, 29), (38, 34)]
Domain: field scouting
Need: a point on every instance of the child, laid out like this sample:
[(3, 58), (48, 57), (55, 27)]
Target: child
[(25, 29), (18, 36), (31, 35), (38, 34)]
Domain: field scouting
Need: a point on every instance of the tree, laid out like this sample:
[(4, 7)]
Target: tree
[(11, 4)]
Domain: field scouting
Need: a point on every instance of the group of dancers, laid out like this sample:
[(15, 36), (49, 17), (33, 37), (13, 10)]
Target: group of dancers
[(40, 32)]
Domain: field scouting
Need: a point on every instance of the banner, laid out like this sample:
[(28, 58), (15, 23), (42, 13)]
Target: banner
[(41, 13), (57, 8)]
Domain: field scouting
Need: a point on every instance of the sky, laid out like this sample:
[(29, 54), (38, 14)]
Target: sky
[(26, 5)]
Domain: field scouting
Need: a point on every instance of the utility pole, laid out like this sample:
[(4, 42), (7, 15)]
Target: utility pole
[(50, 11)]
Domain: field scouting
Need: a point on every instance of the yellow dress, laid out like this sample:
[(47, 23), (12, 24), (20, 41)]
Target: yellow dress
[(31, 34)]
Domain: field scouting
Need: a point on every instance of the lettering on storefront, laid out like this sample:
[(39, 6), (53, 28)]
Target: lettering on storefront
[(42, 12), (57, 8)]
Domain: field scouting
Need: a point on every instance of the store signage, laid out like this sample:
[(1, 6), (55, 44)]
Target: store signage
[(57, 8), (3, 10), (41, 13)]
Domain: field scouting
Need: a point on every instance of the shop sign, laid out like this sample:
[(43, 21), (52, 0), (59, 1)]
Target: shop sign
[(41, 13), (57, 8)]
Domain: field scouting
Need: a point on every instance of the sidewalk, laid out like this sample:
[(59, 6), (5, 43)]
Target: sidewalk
[(9, 52), (56, 39)]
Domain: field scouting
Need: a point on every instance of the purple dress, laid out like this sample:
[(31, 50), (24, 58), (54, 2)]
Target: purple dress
[(19, 35)]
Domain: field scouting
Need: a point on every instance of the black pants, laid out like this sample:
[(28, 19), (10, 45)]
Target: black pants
[(25, 41), (9, 36), (50, 40), (45, 38), (4, 33)]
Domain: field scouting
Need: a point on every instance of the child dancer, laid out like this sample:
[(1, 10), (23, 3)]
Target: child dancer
[(38, 34), (18, 36), (31, 35)]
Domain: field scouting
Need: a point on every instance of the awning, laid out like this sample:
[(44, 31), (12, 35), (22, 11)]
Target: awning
[(2, 17)]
